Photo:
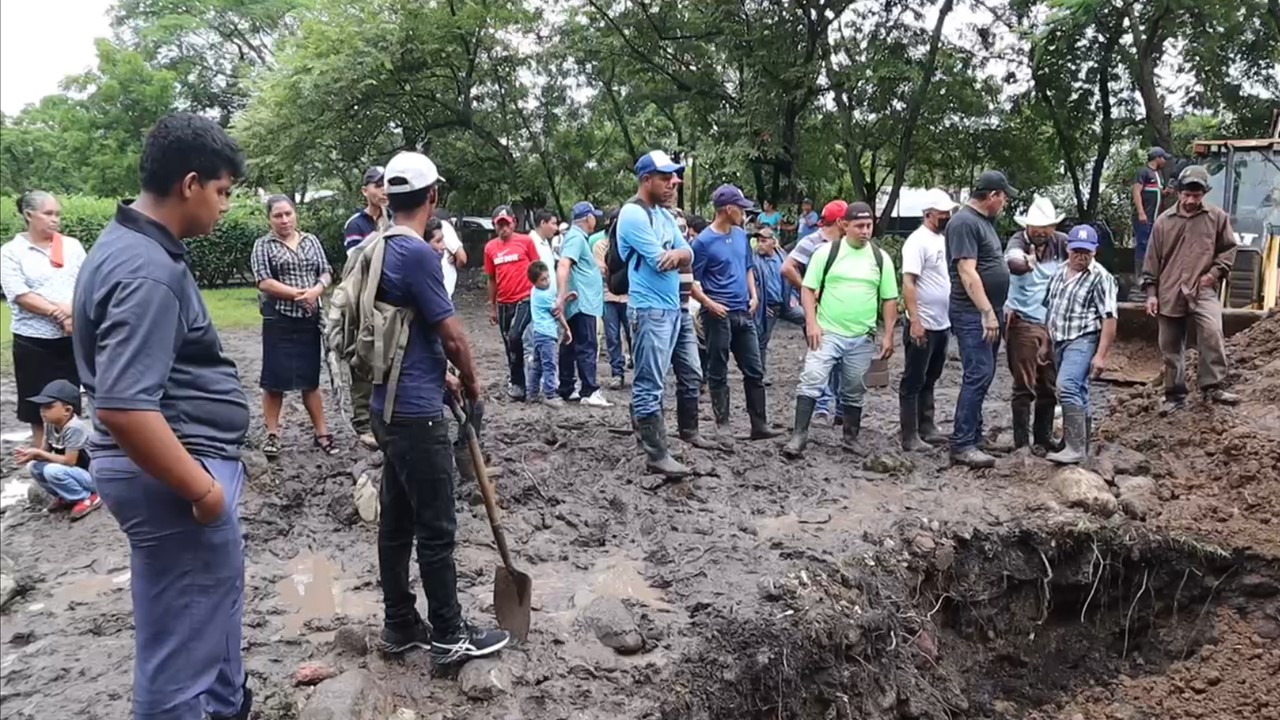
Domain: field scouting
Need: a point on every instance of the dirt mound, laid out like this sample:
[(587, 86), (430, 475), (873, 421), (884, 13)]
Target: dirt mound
[(1220, 466)]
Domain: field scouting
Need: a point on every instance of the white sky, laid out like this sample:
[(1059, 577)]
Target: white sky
[(43, 42)]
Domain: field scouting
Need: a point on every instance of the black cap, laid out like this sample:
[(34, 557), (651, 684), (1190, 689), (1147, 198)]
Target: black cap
[(58, 391), (859, 211), (373, 175), (1156, 153), (995, 180), (807, 201)]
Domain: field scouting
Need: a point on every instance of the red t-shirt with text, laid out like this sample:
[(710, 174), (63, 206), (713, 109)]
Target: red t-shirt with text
[(507, 261)]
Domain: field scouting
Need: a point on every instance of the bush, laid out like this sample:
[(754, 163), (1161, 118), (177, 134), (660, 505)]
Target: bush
[(221, 258)]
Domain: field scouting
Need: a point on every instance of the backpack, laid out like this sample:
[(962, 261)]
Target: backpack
[(364, 334), (618, 270), (831, 260)]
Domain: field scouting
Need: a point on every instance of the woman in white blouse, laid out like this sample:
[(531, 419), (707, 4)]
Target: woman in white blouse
[(38, 271)]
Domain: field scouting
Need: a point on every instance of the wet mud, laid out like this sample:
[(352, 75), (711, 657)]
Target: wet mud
[(833, 586)]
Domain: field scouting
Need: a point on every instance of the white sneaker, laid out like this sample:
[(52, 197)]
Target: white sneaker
[(596, 399), (574, 396)]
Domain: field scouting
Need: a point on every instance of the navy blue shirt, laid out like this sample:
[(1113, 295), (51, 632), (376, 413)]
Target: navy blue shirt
[(412, 277), (358, 227), (144, 340), (720, 263)]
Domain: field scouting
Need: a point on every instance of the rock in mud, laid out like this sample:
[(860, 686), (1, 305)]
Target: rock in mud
[(8, 589), (349, 640), (366, 497), (313, 673), (613, 625), (886, 464), (1080, 488), (342, 508), (255, 465), (1127, 461), (484, 679), (36, 497), (1138, 496), (353, 695)]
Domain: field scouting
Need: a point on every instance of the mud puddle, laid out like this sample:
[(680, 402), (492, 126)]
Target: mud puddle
[(315, 590)]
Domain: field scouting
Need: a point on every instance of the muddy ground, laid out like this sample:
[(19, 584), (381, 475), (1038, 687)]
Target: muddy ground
[(823, 588)]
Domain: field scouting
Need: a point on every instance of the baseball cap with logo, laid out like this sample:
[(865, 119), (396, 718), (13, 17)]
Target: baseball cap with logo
[(583, 210), (656, 161), (833, 212), (1082, 237), (859, 211), (373, 176), (410, 171), (503, 214), (727, 195), (993, 180), (1193, 175)]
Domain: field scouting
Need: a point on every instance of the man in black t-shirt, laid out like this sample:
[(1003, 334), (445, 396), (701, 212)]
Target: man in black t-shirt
[(979, 287), (1148, 186)]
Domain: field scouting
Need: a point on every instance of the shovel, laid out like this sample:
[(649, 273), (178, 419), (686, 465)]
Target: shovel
[(512, 589)]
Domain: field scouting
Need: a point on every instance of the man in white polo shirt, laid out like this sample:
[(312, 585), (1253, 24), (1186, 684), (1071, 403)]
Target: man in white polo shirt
[(926, 291)]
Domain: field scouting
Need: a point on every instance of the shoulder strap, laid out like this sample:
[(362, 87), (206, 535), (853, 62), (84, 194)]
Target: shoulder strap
[(826, 268), (876, 252)]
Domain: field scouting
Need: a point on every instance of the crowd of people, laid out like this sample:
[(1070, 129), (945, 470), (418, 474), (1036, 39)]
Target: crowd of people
[(674, 293)]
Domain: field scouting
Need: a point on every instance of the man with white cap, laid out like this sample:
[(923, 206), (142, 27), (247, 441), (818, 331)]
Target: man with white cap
[(580, 299), (926, 292), (417, 476), (1081, 314), (1033, 255)]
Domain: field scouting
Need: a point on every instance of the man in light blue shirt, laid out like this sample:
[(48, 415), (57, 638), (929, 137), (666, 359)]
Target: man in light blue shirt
[(651, 246), (577, 273)]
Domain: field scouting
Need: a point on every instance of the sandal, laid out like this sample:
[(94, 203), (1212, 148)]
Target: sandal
[(271, 448), (326, 444)]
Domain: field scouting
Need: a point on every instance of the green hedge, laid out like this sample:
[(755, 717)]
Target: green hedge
[(221, 258)]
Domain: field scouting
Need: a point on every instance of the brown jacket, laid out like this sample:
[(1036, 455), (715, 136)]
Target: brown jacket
[(1182, 249)]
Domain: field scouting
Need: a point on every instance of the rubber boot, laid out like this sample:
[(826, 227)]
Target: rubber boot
[(1042, 430), (653, 434), (1075, 426), (760, 429), (720, 407), (909, 419), (928, 430), (800, 434), (851, 429), (687, 423), (1021, 423)]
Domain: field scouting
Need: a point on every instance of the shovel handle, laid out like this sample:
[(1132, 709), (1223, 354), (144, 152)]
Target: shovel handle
[(486, 487)]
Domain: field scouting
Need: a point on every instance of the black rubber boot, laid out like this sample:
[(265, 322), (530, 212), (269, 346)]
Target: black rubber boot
[(1075, 426), (760, 429), (720, 407), (800, 434), (1042, 429), (909, 419), (687, 423), (852, 428), (653, 435), (1021, 423), (928, 430)]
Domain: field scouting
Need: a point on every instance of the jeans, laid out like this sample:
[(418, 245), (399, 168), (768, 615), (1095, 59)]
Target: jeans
[(513, 318), (615, 326), (542, 371), (1141, 235), (735, 332), (416, 503), (922, 365), (1073, 357), (187, 583), (850, 356), (582, 353), (66, 482), (686, 359), (978, 357), (656, 334), (765, 324), (830, 392)]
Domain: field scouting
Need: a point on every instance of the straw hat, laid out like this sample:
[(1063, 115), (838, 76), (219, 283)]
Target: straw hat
[(1040, 214)]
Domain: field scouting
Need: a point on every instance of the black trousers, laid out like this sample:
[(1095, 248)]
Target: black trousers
[(922, 365), (582, 354), (736, 333), (513, 318), (416, 501)]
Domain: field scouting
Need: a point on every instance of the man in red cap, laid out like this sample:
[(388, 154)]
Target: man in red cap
[(831, 228), (506, 262)]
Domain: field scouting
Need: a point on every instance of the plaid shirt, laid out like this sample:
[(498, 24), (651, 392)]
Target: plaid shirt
[(300, 268), (1078, 305)]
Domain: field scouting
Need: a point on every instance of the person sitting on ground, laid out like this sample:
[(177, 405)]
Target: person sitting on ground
[(61, 467), (549, 331), (1081, 315)]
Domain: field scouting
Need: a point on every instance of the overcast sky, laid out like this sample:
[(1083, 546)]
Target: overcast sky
[(43, 42)]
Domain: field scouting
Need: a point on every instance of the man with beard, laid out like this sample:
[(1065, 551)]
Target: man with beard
[(1192, 250), (506, 262), (1034, 255)]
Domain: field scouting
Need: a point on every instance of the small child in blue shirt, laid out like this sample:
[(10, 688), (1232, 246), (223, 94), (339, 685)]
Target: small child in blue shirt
[(548, 332)]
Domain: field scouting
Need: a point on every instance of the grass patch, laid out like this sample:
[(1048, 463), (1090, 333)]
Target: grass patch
[(231, 309)]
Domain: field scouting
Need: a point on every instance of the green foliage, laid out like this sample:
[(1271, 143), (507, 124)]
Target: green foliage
[(221, 258)]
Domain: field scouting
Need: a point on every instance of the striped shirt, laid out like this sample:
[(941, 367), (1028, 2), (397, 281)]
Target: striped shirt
[(1078, 304), (301, 268)]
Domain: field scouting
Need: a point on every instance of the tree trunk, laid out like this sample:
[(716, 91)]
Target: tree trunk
[(1148, 45), (1105, 126)]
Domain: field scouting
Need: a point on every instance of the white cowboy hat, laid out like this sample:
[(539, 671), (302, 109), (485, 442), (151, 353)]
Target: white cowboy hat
[(1040, 214)]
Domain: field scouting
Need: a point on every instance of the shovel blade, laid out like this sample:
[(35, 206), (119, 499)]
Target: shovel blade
[(512, 601)]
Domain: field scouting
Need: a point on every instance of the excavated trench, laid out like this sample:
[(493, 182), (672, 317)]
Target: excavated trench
[(995, 625)]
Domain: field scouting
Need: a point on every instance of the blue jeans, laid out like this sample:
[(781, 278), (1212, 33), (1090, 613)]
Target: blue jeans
[(686, 359), (1073, 357), (65, 482), (655, 333), (542, 370), (978, 357), (582, 354), (767, 321), (1141, 235), (849, 357), (187, 582), (615, 326), (830, 392)]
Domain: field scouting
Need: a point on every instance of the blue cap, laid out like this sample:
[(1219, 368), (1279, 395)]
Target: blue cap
[(1082, 237), (656, 161), (727, 195), (583, 210)]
